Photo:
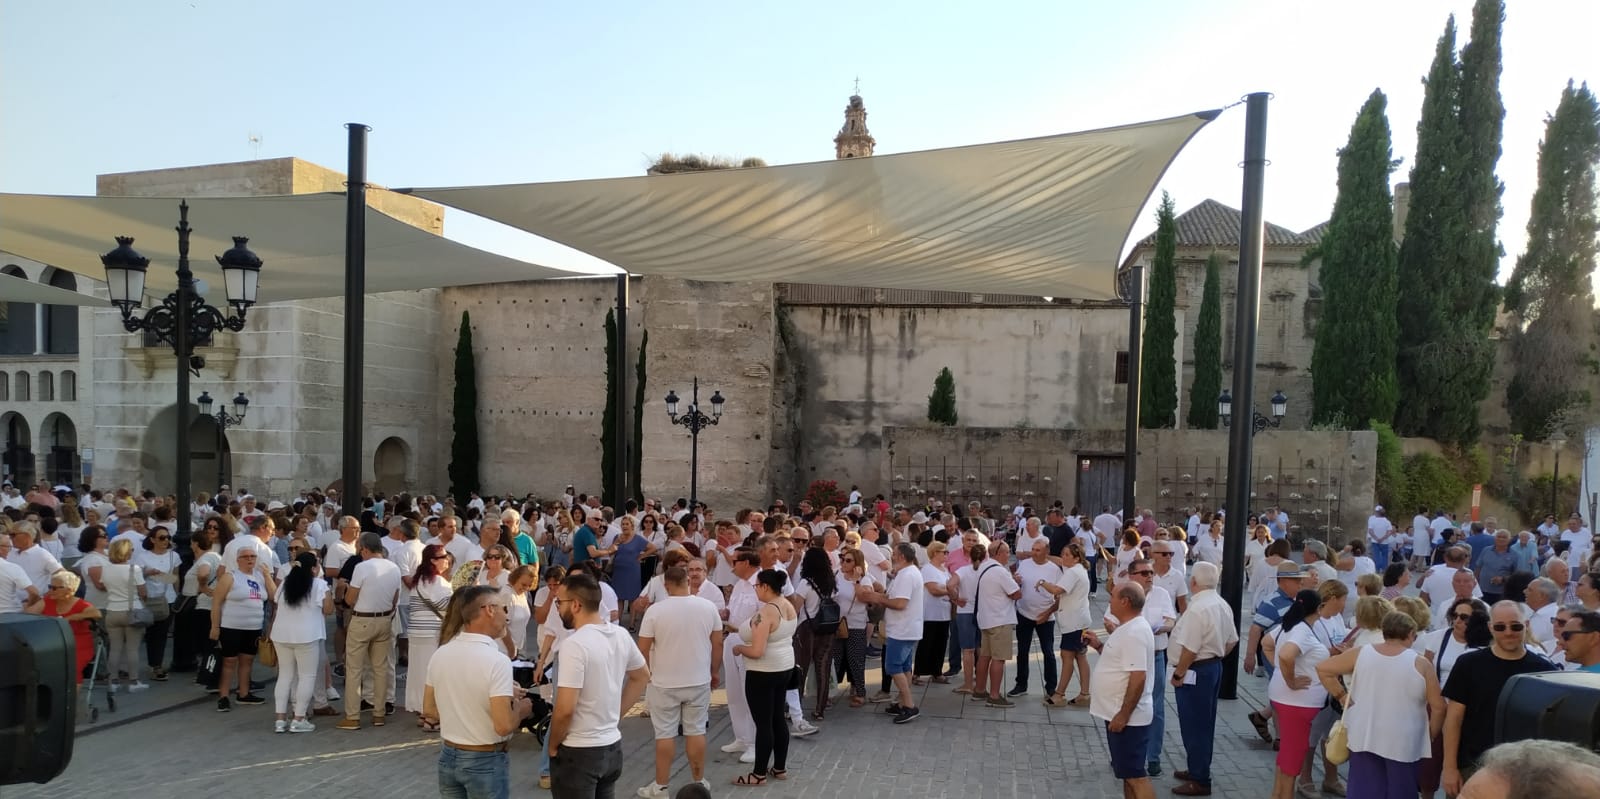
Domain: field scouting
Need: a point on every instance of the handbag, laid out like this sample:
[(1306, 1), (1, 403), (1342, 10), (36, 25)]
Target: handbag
[(266, 653), (138, 615), (1337, 749), (210, 668)]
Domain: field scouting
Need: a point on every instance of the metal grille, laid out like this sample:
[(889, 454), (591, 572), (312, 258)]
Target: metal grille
[(1312, 493), (1001, 482)]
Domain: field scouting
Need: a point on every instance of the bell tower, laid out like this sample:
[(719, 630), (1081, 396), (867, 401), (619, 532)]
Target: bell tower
[(853, 140)]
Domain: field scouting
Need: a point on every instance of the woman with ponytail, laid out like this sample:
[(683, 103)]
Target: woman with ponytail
[(298, 629)]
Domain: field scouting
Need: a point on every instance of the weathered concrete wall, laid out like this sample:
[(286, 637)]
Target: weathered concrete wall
[(1295, 470), (862, 368)]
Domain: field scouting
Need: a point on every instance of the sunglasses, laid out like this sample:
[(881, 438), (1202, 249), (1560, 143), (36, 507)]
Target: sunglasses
[(1166, 554), (1566, 635), (1145, 573), (1515, 627), (1463, 617), (163, 538), (491, 557)]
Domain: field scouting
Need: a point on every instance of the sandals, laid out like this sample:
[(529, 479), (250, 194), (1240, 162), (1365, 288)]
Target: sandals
[(941, 680), (857, 701), (1081, 700), (428, 726), (751, 780), (1263, 727), (1055, 700), (779, 773)]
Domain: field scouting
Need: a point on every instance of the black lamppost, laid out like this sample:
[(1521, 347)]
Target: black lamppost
[(224, 420), (1556, 440), (182, 319), (696, 420), (1280, 407)]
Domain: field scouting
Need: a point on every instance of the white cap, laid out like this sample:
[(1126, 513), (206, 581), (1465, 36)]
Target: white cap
[(1378, 509)]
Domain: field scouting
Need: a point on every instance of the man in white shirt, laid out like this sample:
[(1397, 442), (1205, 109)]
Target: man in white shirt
[(470, 695), (1191, 527), (36, 561), (260, 533), (459, 547), (1202, 637), (1421, 539), (373, 593), (1579, 543), (681, 640), (131, 526), (1434, 587), (1119, 693), (994, 593), (600, 674), (1160, 613), (1542, 596), (1379, 530), (1318, 570), (1036, 612), (16, 589), (343, 548), (1106, 525), (902, 618)]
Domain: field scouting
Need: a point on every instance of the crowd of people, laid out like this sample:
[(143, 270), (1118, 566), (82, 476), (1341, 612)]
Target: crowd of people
[(502, 611)]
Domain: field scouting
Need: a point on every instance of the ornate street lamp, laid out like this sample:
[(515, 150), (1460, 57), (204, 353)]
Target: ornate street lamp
[(1258, 422), (696, 420), (182, 319), (224, 420)]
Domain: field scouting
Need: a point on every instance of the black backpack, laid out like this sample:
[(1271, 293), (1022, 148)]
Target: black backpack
[(828, 616)]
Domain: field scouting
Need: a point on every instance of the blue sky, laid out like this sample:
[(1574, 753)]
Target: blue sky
[(499, 92)]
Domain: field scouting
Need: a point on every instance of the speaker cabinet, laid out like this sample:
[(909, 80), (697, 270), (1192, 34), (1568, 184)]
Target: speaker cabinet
[(1555, 705), (38, 698)]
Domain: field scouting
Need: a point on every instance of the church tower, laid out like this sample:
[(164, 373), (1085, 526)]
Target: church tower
[(853, 140)]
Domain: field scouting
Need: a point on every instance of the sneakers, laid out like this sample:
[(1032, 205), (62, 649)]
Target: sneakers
[(653, 791), (1153, 768), (1018, 691), (349, 724), (735, 747), (301, 725), (893, 709), (544, 781), (136, 687), (334, 695), (280, 725), (907, 715), (223, 706), (1000, 701), (749, 756), (880, 697), (251, 699), (800, 728)]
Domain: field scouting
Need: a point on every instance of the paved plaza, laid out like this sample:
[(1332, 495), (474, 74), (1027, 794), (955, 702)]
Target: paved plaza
[(958, 748)]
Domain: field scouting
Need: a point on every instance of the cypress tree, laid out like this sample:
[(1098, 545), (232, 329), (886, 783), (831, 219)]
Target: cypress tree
[(636, 469), (942, 402), (464, 430), (1553, 346), (609, 420), (1353, 357), (1158, 386), (1207, 351)]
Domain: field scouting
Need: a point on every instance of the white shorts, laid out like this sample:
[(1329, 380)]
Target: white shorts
[(670, 707)]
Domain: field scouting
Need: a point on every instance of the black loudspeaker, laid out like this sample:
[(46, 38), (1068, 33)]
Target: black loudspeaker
[(38, 698), (1553, 705)]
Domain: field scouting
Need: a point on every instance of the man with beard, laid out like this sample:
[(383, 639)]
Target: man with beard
[(600, 673)]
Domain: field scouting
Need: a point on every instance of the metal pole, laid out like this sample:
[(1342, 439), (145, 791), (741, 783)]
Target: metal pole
[(222, 475), (619, 477), (694, 446), (1246, 315), (1555, 485), (355, 291), (183, 347), (1130, 440)]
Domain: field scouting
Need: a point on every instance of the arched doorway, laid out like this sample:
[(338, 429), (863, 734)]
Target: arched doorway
[(158, 453), (18, 321), (210, 458), (60, 435), (61, 321), (390, 466), (16, 460)]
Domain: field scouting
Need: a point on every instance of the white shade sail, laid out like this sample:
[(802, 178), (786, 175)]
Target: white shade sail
[(1044, 216), (21, 289), (300, 239)]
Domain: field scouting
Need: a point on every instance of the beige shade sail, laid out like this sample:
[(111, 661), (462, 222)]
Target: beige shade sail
[(1044, 216), (21, 289), (300, 239)]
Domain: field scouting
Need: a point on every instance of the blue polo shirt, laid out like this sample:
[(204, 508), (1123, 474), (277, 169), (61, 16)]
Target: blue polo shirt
[(1270, 612)]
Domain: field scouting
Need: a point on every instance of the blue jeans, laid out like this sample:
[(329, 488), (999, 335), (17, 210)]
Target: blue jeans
[(1027, 630), (1197, 718), (473, 775), (1158, 698), (1380, 555)]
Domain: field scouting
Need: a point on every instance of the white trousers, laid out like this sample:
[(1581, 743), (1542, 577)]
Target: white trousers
[(297, 673), (744, 725)]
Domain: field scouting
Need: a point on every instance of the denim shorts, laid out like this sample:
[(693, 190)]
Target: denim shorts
[(898, 655), (967, 630), (1128, 749)]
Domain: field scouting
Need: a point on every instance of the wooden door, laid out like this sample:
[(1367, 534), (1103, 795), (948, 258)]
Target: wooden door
[(1099, 483)]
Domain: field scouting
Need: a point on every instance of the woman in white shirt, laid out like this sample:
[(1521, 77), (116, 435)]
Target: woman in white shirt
[(94, 544), (1256, 548), (1126, 554), (237, 612), (429, 599), (193, 610), (931, 650), (1296, 694), (1264, 575), (123, 582), (1071, 590), (69, 529), (298, 628), (523, 579), (852, 651), (160, 563)]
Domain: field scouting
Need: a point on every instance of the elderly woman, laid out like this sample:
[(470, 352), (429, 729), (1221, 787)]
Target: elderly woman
[(627, 572), (123, 582), (429, 598), (1395, 579), (1296, 695), (1391, 713), (1369, 616), (238, 609), (936, 606), (852, 651), (62, 602), (1071, 590), (299, 627), (498, 561), (523, 580)]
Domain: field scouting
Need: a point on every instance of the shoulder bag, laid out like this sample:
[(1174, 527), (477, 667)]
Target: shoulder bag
[(1337, 748), (138, 614)]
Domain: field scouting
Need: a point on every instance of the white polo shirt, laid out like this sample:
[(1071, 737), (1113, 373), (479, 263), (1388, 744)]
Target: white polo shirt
[(680, 628), (1131, 648), (379, 582), (466, 675)]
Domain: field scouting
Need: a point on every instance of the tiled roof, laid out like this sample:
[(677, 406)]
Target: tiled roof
[(1212, 224), (1314, 235)]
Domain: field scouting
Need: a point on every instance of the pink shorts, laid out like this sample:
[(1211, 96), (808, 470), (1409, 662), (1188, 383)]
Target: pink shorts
[(1294, 725)]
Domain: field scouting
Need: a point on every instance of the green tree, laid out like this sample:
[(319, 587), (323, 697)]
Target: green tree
[(1451, 254), (636, 469), (1353, 357), (942, 402), (464, 431), (1207, 351), (609, 420), (1553, 344), (1158, 380)]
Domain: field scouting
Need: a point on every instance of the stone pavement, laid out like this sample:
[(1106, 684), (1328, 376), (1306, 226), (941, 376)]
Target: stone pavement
[(958, 748)]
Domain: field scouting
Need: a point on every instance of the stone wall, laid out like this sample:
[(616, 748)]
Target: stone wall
[(1295, 470)]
